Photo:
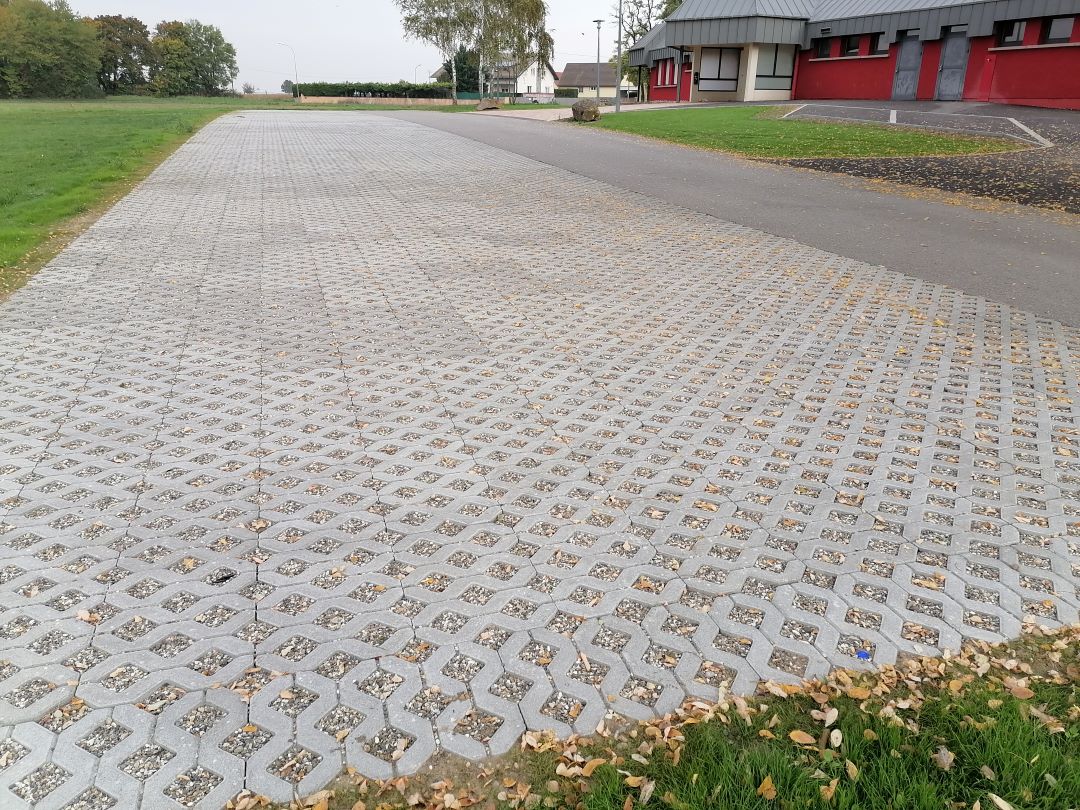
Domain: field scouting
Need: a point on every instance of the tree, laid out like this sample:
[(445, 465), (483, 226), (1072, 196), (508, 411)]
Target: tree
[(191, 59), (46, 50), (638, 18), (467, 64), (668, 7), (512, 30), (248, 88), (446, 24), (287, 86), (125, 44)]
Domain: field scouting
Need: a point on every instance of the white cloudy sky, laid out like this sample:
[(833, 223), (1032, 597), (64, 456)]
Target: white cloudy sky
[(339, 40)]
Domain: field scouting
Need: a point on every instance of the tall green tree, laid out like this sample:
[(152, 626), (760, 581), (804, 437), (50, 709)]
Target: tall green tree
[(125, 55), (449, 25), (46, 50), (467, 65), (638, 18), (191, 59), (512, 30), (668, 7)]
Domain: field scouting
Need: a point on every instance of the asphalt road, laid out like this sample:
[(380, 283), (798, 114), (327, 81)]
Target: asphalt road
[(1027, 259)]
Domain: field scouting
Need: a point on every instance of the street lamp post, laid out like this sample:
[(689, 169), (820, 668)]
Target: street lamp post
[(598, 22), (296, 73), (414, 72), (618, 63)]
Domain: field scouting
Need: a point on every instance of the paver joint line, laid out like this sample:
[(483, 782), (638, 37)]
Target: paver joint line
[(299, 474)]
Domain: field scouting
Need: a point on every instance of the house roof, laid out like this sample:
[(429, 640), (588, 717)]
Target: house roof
[(583, 74), (713, 9), (721, 22)]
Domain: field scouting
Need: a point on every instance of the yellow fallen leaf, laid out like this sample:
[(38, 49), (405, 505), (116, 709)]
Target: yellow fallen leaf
[(999, 802), (592, 765), (858, 692), (801, 737), (767, 790), (634, 781), (1021, 693), (828, 790), (851, 769), (988, 772)]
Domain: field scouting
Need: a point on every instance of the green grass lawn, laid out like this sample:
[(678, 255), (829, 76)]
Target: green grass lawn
[(760, 132), (66, 161)]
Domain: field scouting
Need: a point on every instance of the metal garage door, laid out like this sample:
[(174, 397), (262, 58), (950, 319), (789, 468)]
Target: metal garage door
[(907, 68), (953, 68)]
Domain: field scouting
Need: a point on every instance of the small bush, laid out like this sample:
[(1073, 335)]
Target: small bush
[(566, 92)]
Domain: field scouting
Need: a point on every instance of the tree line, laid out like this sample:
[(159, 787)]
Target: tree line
[(496, 32), (47, 50)]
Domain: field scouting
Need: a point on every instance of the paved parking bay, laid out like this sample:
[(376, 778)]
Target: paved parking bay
[(1045, 172), (318, 450)]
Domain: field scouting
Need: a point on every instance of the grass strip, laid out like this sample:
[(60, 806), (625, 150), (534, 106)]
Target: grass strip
[(991, 728), (759, 132)]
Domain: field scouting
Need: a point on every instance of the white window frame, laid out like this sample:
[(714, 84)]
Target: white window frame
[(726, 64)]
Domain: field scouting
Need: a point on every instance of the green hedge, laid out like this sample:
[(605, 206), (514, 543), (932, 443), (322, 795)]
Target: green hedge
[(565, 92), (376, 89)]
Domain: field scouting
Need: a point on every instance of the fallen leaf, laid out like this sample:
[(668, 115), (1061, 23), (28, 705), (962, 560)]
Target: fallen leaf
[(801, 737), (634, 781), (828, 790), (943, 758), (988, 772), (767, 790), (999, 802), (591, 766), (1021, 693), (851, 769)]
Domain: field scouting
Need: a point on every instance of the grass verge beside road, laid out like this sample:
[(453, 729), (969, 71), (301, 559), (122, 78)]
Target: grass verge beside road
[(760, 132), (65, 162), (994, 727)]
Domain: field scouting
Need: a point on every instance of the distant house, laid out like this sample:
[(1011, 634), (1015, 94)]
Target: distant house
[(514, 79), (582, 75)]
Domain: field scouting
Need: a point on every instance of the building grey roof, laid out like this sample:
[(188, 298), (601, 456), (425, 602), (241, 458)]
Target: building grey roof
[(713, 9), (723, 22), (583, 74), (650, 47)]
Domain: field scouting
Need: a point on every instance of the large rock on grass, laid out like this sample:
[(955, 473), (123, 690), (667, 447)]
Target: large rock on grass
[(487, 104), (586, 109)]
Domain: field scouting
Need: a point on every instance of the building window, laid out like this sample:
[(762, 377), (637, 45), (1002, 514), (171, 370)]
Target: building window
[(1057, 29), (1010, 33), (878, 44), (719, 70), (775, 67), (822, 48), (849, 46)]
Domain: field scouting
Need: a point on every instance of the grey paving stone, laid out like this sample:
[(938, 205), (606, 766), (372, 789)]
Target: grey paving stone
[(300, 474)]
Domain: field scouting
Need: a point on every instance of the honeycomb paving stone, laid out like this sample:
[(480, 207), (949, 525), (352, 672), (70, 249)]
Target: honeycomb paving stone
[(283, 501)]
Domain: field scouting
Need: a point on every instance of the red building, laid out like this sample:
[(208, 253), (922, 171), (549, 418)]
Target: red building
[(1006, 51)]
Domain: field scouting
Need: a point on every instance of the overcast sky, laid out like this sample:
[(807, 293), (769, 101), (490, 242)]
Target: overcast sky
[(337, 40)]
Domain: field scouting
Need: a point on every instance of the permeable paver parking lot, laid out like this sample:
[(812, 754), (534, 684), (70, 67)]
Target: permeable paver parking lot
[(342, 440)]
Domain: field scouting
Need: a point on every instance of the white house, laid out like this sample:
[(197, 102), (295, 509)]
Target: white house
[(526, 79)]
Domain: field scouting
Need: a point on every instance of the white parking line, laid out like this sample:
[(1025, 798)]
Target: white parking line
[(1032, 133), (892, 116), (792, 112)]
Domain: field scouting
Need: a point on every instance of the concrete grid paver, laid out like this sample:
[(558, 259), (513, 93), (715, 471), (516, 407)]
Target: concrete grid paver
[(322, 449)]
